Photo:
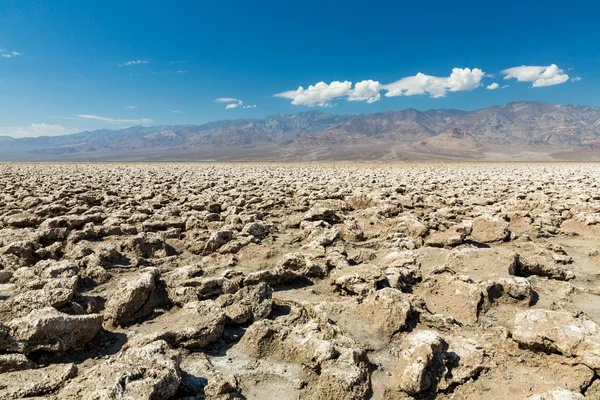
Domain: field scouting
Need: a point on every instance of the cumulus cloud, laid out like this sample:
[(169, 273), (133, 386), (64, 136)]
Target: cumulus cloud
[(460, 79), (233, 103), (134, 62), (539, 75), (9, 54), (365, 91), (369, 90), (319, 94), (576, 79), (36, 130), (493, 86), (115, 120)]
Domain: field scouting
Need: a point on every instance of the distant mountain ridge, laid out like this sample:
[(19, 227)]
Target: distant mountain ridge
[(521, 127)]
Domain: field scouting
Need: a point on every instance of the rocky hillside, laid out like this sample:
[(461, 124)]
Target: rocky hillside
[(524, 126)]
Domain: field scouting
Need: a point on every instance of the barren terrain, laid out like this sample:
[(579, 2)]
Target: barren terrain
[(300, 281), (517, 131)]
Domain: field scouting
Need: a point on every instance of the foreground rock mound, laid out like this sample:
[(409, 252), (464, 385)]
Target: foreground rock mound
[(194, 326), (50, 330), (148, 372), (421, 363), (35, 382), (560, 332), (133, 299)]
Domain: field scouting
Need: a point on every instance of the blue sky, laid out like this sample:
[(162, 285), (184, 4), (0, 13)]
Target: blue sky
[(70, 65)]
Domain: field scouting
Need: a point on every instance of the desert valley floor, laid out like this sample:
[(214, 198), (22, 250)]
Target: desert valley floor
[(300, 281)]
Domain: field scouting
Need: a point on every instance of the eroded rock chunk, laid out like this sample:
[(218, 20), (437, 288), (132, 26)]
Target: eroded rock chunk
[(446, 238), (344, 378), (360, 280), (221, 386), (250, 303), (352, 232), (50, 330), (304, 335), (464, 360), (401, 269), (413, 227), (148, 245), (421, 363), (512, 289), (55, 293), (217, 240), (194, 326), (488, 229), (559, 332), (322, 214), (15, 362), (293, 266), (35, 382), (542, 266), (258, 229), (149, 372), (133, 299), (386, 312), (455, 296)]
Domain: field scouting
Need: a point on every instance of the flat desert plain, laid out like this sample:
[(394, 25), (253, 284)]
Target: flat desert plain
[(300, 281)]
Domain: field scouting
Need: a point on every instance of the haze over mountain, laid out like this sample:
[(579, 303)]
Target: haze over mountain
[(515, 131)]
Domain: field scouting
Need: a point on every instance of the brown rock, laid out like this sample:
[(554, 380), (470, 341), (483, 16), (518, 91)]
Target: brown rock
[(35, 382), (420, 364), (488, 229), (50, 330), (133, 299), (150, 372)]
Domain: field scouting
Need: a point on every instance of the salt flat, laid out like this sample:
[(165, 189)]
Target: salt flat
[(300, 281)]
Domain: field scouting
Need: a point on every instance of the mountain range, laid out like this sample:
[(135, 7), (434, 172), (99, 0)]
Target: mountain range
[(535, 131)]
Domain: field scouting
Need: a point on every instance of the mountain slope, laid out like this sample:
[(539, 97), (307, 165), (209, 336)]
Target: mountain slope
[(454, 141), (518, 127)]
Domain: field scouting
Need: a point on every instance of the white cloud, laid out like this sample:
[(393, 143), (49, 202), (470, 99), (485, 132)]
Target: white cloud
[(176, 111), (36, 130), (181, 71), (319, 94), (132, 107), (365, 91), (460, 79), (576, 79), (539, 75), (9, 54), (493, 86), (134, 62), (233, 103), (115, 120)]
